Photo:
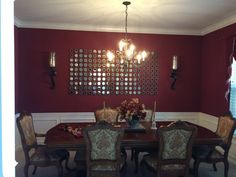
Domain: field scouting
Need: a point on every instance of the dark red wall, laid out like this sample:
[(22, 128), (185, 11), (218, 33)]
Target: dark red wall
[(33, 91), (216, 48)]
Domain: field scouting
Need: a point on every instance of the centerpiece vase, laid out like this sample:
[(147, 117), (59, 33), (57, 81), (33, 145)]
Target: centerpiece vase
[(134, 122)]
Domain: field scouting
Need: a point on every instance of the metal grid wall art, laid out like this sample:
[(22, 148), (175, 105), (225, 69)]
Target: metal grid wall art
[(89, 75)]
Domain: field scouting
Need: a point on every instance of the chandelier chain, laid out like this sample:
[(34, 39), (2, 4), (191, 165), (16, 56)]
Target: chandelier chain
[(126, 21)]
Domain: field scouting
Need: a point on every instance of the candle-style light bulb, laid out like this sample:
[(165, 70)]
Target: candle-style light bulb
[(139, 57), (52, 59), (144, 54), (121, 45), (175, 63)]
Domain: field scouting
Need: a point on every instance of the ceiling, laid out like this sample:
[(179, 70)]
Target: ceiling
[(191, 17)]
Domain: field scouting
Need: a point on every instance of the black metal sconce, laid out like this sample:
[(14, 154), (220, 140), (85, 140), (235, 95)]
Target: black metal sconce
[(174, 71), (52, 68)]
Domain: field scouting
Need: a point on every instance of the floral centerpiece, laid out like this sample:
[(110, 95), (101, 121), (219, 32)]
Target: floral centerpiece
[(132, 111)]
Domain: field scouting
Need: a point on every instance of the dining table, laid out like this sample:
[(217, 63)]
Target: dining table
[(59, 137)]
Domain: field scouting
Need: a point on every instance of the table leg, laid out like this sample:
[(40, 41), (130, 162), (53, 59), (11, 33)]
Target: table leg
[(136, 164)]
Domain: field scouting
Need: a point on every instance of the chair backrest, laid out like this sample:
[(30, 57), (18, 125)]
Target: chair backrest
[(149, 115), (175, 144), (103, 146), (225, 129), (107, 114), (27, 133)]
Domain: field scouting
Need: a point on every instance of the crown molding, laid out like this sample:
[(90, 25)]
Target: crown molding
[(226, 22), (65, 26), (17, 22)]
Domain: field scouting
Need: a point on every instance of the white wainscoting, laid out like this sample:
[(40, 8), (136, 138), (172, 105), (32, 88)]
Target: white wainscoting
[(44, 121)]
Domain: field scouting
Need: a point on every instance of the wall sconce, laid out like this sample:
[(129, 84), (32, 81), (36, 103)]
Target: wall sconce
[(174, 71), (52, 68)]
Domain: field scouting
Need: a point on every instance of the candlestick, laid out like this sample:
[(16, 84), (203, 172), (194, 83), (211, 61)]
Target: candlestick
[(154, 109), (154, 117)]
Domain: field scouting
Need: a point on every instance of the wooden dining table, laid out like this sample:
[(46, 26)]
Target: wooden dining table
[(59, 137)]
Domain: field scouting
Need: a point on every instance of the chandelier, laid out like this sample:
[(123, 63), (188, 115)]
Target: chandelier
[(126, 54)]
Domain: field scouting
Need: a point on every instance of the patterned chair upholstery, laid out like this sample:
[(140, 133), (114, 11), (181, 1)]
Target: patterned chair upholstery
[(174, 151), (35, 154), (108, 114), (103, 152), (225, 129)]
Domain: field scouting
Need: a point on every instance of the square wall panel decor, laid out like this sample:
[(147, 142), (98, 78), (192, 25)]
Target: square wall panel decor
[(90, 75)]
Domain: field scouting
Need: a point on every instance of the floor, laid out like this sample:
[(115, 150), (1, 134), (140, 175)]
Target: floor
[(205, 169)]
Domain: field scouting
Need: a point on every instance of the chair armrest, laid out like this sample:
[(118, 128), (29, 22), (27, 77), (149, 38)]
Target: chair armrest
[(40, 135)]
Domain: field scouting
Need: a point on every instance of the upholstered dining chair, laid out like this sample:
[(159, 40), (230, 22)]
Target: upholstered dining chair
[(103, 152), (110, 115), (225, 129), (36, 154), (174, 151), (107, 114)]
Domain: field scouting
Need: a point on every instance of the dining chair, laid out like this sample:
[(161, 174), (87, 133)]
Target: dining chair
[(108, 114), (103, 150), (37, 154), (212, 155), (174, 151)]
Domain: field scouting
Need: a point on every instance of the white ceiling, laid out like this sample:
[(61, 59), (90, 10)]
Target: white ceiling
[(192, 17)]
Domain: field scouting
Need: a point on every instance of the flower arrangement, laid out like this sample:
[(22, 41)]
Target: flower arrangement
[(132, 110)]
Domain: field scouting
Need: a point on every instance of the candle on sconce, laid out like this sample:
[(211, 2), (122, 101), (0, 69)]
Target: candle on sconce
[(175, 62), (52, 60)]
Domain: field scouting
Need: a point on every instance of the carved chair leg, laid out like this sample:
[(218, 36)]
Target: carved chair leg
[(34, 171), (142, 167), (67, 162), (132, 153), (214, 166), (195, 167), (26, 168), (59, 169), (226, 164), (123, 151), (123, 171), (136, 153)]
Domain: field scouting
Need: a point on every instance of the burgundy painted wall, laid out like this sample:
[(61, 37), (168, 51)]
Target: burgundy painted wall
[(216, 48), (33, 91)]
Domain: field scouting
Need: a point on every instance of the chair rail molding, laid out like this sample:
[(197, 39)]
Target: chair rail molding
[(44, 121)]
